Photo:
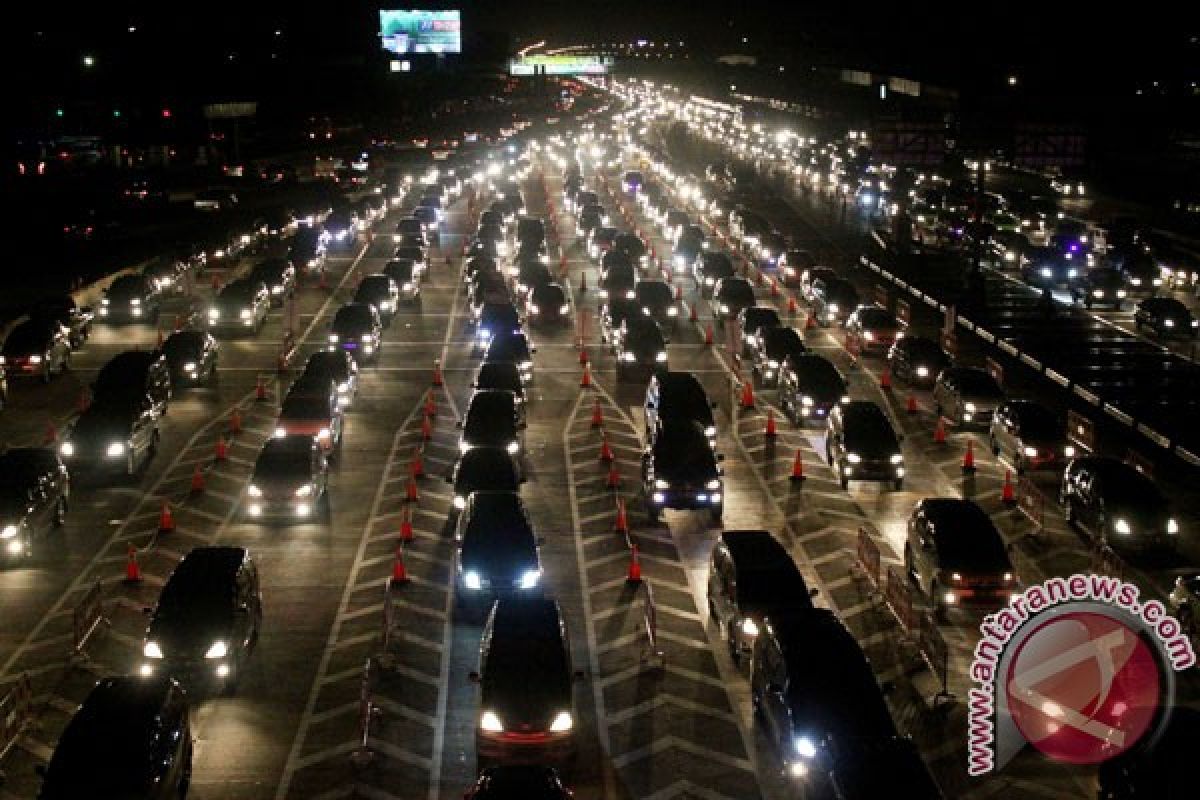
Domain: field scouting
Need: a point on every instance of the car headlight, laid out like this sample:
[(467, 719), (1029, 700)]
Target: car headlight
[(1097, 293), (1121, 293), (246, 313), (152, 650), (304, 491), (672, 311), (280, 432), (1172, 525), (471, 580), (969, 408), (253, 491), (1030, 452), (833, 308), (659, 483), (489, 722), (513, 448), (408, 287), (661, 357), (214, 313), (135, 302), (333, 337), (67, 449), (854, 458), (804, 747), (218, 650), (115, 449), (1122, 526), (713, 484), (460, 502), (276, 290), (1170, 323), (9, 532), (1046, 272), (530, 578), (749, 627), (897, 458), (628, 356), (323, 433), (189, 366), (1009, 577), (343, 387), (709, 281), (562, 722)]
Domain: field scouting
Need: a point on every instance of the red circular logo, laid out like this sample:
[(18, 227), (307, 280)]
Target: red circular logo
[(1083, 687)]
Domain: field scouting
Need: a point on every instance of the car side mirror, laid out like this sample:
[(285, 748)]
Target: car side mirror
[(473, 676)]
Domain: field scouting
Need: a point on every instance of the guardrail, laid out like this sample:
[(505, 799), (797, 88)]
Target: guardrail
[(649, 624), (897, 594), (933, 650), (85, 618), (868, 557), (16, 711), (367, 710), (1031, 501)]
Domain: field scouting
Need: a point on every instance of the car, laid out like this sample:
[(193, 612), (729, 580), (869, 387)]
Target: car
[(514, 348), (502, 375), (632, 181), (487, 287), (131, 298), (657, 302), (819, 704), (674, 222), (548, 304), (307, 251), (278, 275), (631, 245), (525, 675), (497, 549), (639, 346), (710, 267), (873, 329), (431, 219), (356, 328), (531, 251), (1140, 268), (832, 300), (955, 555), (1046, 267), (1030, 436), (613, 314), (310, 414), (617, 276), (403, 274), (207, 620), (747, 227), (687, 249), (1102, 286), (751, 576), (290, 479), (590, 217), (862, 445), (678, 397), (530, 274), (37, 347), (751, 321), (679, 470), (191, 357), (792, 265), (63, 310), (967, 396), (1166, 317), (337, 366), (413, 239), (35, 489), (381, 293), (492, 233), (917, 360), (525, 781), (810, 388), (242, 305), (131, 737), (406, 226), (771, 249), (729, 297), (416, 255), (492, 420), (495, 319), (771, 349), (484, 469), (1117, 504), (600, 241), (139, 375), (530, 229), (118, 434), (809, 277)]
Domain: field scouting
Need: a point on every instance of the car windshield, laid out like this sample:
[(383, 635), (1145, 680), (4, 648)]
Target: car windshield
[(277, 464), (978, 382), (184, 343), (305, 407), (1040, 423), (27, 337), (353, 317)]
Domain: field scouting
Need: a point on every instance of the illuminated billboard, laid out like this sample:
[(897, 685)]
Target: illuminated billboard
[(559, 65), (407, 32)]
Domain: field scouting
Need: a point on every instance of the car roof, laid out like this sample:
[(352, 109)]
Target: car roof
[(526, 618), (201, 568), (753, 548), (963, 532), (298, 444)]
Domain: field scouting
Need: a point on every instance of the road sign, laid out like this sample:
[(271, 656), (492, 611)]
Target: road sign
[(905, 143)]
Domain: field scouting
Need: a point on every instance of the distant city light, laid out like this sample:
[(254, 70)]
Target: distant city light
[(89, 61), (133, 28), (1012, 80)]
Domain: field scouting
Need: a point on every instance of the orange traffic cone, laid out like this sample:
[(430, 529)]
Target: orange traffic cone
[(51, 434), (235, 421), (597, 415), (583, 355), (437, 372), (774, 288), (792, 308), (260, 389), (622, 524), (885, 379), (586, 381), (606, 453), (1008, 496), (810, 321), (939, 432), (613, 480), (747, 400), (166, 520), (426, 428), (635, 566), (430, 404), (197, 480), (417, 468), (406, 528), (410, 491), (770, 432), (910, 405), (399, 572), (133, 572), (708, 335), (222, 450), (692, 316), (968, 463), (678, 292), (798, 466)]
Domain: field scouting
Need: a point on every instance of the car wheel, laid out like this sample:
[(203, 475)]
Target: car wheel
[(60, 512)]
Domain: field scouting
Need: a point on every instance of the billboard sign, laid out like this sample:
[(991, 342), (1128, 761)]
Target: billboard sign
[(407, 32), (559, 65)]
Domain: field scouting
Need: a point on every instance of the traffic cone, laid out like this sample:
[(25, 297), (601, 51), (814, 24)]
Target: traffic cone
[(708, 335), (810, 321), (1008, 496), (939, 432), (426, 428), (437, 372), (166, 520), (910, 405), (410, 492), (635, 566), (770, 432), (133, 572), (968, 462), (747, 400), (430, 404), (622, 524), (222, 450), (774, 288), (791, 307), (597, 415), (235, 421), (583, 355), (260, 389), (613, 480), (197, 480), (51, 434), (416, 467), (406, 528), (692, 315), (399, 572), (885, 379), (798, 466), (586, 381), (606, 453)]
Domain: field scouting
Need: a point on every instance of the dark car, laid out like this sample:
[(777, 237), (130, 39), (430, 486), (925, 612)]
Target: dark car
[(1166, 316), (600, 241), (657, 302), (753, 320), (476, 265), (956, 556), (1117, 504), (307, 251), (313, 415), (524, 781), (191, 357), (131, 298), (631, 245), (403, 274), (290, 479), (822, 709), (687, 249), (832, 300), (278, 275), (337, 366), (37, 346), (513, 348), (495, 319), (617, 276), (710, 267), (34, 492), (243, 305), (207, 620), (504, 375), (613, 314), (873, 329), (810, 387), (548, 304), (487, 287), (751, 576), (590, 216), (771, 249), (484, 469), (640, 347), (679, 470), (861, 444), (967, 395), (772, 348), (531, 274), (431, 218), (140, 375), (381, 293), (341, 227), (530, 229), (131, 738), (526, 705), (63, 310), (1046, 267), (793, 264), (409, 226), (416, 255), (809, 277), (730, 296), (492, 420), (632, 181), (497, 548), (674, 222), (119, 434), (1029, 435), (356, 329), (917, 360), (1103, 287), (678, 397)]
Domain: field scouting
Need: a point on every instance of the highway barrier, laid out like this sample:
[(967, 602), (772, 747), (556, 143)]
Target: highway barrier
[(652, 649), (868, 560), (16, 711), (897, 593), (363, 754), (85, 618), (936, 655), (1032, 502)]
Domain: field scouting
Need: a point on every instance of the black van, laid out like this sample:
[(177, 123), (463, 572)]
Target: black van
[(135, 374), (1117, 504)]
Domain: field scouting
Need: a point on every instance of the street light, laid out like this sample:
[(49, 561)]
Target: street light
[(89, 61), (1012, 80)]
